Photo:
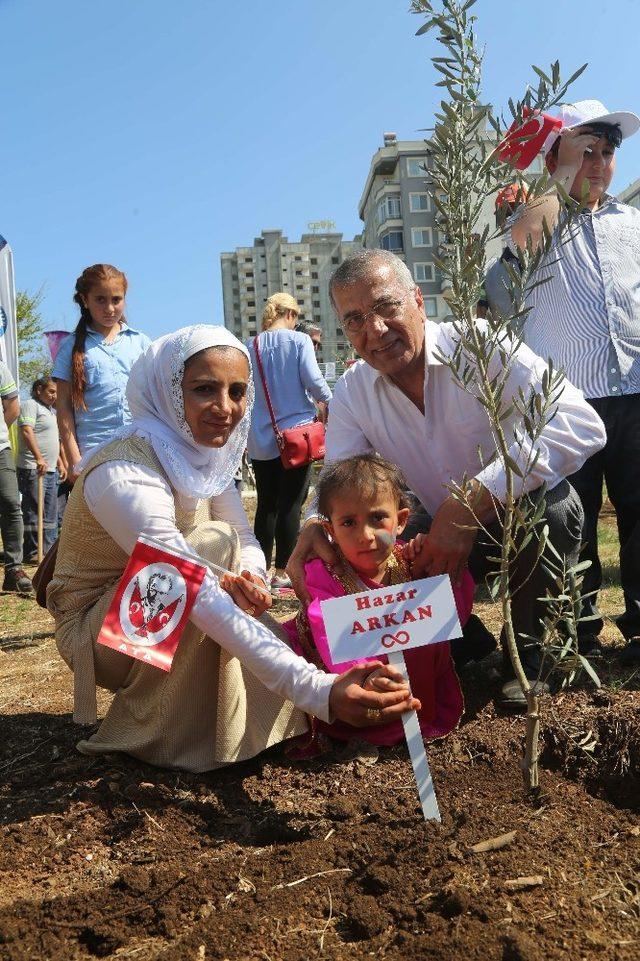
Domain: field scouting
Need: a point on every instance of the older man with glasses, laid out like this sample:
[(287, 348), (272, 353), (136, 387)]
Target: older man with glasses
[(402, 402)]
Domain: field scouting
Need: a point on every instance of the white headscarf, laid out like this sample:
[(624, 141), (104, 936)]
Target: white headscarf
[(154, 393)]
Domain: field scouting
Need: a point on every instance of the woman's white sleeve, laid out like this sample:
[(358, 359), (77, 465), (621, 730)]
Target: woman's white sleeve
[(129, 500), (228, 507)]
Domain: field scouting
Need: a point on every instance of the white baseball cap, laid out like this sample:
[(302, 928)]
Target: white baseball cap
[(591, 111)]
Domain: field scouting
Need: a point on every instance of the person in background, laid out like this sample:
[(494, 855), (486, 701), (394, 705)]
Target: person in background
[(496, 282), (92, 367), (314, 331), (39, 456), (294, 381), (15, 579), (585, 317)]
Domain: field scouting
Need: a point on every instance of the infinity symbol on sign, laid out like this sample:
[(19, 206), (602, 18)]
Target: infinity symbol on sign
[(388, 640)]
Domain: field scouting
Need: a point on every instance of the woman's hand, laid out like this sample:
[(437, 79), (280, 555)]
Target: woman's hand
[(247, 596), (312, 542), (370, 695)]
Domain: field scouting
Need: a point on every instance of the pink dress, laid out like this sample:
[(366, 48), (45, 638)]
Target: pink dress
[(431, 671)]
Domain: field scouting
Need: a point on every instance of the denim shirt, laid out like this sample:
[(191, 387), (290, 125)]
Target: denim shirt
[(107, 368)]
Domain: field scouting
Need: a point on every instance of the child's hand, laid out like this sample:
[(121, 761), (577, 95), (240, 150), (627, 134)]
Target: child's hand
[(378, 680), (241, 588)]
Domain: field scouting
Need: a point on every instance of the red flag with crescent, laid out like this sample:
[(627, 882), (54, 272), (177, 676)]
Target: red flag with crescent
[(524, 141), (152, 604)]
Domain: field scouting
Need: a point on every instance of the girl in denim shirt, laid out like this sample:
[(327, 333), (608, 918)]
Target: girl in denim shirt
[(92, 367)]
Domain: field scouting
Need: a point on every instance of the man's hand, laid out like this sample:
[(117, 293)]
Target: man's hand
[(312, 542), (349, 701), (446, 548), (573, 145), (248, 598), (42, 466)]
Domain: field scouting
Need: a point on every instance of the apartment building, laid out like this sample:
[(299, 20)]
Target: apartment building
[(301, 268), (399, 214)]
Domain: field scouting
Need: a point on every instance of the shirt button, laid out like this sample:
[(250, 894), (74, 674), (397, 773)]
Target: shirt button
[(613, 370), (614, 388)]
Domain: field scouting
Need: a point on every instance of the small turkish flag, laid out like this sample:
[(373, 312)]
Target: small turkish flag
[(152, 604), (523, 143)]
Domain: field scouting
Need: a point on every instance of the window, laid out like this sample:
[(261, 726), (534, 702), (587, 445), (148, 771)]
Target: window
[(251, 303), (252, 318), (248, 260), (335, 260), (418, 203), (421, 237), (299, 286), (431, 306), (416, 167), (298, 273), (392, 241), (316, 303), (248, 273), (424, 273), (315, 290), (251, 290), (388, 209), (297, 258), (236, 290), (314, 275), (314, 260)]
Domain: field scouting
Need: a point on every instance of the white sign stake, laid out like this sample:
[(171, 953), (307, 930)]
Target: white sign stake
[(392, 620), (417, 753)]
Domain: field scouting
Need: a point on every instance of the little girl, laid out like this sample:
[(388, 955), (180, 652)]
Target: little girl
[(366, 508), (93, 366)]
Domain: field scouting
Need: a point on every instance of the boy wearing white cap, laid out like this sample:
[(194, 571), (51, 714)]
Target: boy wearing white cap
[(586, 318)]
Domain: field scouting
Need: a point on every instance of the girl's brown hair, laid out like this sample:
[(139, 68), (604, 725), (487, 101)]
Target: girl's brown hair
[(361, 476), (87, 279)]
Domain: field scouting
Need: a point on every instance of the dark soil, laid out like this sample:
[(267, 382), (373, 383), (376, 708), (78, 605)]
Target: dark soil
[(273, 859)]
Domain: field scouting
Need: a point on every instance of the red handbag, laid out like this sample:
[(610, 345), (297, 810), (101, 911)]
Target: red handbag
[(299, 445)]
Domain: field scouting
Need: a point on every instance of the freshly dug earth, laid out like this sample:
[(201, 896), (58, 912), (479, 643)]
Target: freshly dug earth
[(275, 859)]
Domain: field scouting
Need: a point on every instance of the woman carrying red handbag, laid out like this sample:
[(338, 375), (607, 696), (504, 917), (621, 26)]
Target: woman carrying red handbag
[(288, 368)]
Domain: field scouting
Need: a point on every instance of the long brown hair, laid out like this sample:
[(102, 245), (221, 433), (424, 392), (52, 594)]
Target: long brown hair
[(87, 279)]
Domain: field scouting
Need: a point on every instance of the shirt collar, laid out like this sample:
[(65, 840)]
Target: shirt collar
[(124, 329)]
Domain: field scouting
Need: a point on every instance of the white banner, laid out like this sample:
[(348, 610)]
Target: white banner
[(8, 323)]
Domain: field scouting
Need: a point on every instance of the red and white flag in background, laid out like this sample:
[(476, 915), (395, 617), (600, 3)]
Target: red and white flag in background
[(152, 604), (522, 143)]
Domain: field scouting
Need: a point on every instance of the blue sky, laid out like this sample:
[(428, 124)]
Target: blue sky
[(155, 135)]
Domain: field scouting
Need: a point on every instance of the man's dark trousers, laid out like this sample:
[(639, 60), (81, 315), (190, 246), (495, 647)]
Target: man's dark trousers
[(618, 464), (564, 517), (10, 513)]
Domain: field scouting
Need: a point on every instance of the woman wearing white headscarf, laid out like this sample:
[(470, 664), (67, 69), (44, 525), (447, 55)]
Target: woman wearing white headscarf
[(229, 693)]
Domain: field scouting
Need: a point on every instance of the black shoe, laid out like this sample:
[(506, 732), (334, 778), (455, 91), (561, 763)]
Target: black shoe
[(590, 644), (512, 697), (476, 643), (630, 655), (16, 580)]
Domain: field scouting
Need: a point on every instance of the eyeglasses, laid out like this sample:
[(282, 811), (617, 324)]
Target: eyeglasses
[(387, 309)]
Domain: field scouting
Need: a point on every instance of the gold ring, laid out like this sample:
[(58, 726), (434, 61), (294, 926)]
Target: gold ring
[(373, 713), (251, 611)]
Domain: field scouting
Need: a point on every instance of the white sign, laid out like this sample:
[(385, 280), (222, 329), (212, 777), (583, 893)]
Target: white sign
[(330, 370), (392, 620), (387, 619)]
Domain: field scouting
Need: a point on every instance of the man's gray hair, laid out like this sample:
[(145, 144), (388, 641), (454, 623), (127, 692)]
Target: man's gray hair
[(307, 328), (360, 265)]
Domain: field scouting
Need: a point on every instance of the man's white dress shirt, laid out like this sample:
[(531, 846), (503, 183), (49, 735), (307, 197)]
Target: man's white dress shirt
[(370, 413), (129, 500)]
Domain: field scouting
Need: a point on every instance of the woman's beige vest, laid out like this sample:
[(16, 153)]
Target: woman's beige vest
[(89, 563)]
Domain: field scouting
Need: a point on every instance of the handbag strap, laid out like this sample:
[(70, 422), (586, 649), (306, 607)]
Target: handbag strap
[(266, 391)]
